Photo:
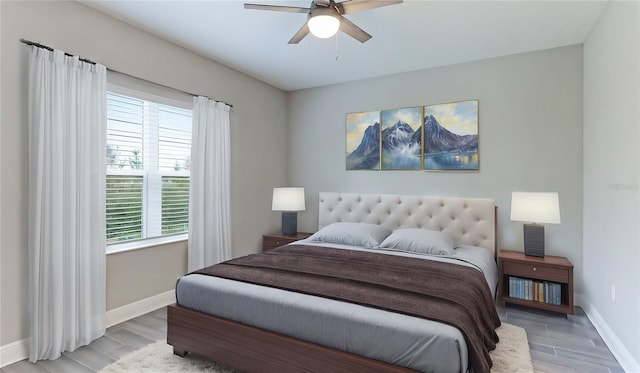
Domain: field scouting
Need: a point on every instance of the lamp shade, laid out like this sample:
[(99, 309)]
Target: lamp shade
[(288, 199), (323, 22), (539, 207)]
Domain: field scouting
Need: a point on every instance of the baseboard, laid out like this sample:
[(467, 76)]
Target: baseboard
[(135, 309), (19, 350), (619, 351), (14, 352)]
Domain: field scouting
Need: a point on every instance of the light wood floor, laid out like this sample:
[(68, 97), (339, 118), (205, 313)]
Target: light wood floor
[(557, 344)]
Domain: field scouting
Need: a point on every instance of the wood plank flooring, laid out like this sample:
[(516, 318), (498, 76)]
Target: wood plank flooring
[(561, 344), (557, 344)]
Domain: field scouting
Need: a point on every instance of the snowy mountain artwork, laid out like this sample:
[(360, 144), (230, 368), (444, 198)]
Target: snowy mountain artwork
[(401, 139), (451, 136), (363, 140), (442, 137)]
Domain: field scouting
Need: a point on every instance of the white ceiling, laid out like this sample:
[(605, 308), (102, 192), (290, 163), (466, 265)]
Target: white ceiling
[(410, 36)]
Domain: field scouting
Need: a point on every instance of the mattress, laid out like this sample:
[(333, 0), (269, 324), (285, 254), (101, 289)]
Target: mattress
[(408, 341)]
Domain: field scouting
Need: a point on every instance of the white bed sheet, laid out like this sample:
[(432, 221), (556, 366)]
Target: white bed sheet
[(416, 343)]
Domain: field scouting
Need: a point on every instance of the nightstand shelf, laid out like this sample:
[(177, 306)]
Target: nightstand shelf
[(271, 241), (550, 269)]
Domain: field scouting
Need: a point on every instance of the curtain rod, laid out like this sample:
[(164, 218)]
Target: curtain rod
[(28, 42)]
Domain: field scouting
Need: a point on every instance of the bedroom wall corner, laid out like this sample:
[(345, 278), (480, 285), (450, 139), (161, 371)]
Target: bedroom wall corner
[(612, 179)]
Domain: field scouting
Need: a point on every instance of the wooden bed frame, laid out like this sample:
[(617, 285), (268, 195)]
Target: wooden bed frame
[(256, 350), (253, 349)]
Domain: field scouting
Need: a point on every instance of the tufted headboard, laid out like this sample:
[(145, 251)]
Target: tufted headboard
[(470, 221)]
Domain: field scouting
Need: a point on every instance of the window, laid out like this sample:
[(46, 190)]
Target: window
[(148, 162)]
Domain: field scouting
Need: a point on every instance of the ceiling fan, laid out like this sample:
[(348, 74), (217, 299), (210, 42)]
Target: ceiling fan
[(324, 17)]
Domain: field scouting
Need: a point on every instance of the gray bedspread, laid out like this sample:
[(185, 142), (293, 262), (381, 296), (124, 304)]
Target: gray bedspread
[(417, 343)]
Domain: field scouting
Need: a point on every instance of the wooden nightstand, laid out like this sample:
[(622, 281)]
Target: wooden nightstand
[(271, 241), (553, 274)]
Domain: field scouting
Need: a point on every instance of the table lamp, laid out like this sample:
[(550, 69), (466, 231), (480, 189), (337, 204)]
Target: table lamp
[(535, 209), (289, 200)]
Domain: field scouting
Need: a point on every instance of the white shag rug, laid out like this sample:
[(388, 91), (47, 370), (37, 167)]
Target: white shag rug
[(512, 352), (510, 356)]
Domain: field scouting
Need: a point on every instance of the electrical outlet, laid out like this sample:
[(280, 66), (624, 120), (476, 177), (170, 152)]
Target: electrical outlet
[(613, 293)]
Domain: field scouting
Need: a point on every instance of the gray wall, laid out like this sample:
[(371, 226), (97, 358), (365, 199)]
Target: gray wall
[(612, 170), (530, 119), (142, 273), (258, 122)]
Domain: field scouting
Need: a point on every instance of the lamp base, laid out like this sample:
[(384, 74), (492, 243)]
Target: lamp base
[(534, 240), (289, 223)]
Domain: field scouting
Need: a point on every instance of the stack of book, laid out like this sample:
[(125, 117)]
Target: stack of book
[(534, 290)]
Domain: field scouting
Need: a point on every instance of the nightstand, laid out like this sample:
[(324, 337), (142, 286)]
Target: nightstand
[(271, 241), (543, 283)]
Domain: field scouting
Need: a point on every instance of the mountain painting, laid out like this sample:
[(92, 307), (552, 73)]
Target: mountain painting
[(451, 136), (402, 139), (363, 140)]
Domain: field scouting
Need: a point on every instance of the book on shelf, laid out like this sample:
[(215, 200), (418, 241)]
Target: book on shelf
[(535, 290)]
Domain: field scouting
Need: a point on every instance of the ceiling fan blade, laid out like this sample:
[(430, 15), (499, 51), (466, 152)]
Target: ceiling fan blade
[(353, 6), (304, 31), (354, 31), (277, 8)]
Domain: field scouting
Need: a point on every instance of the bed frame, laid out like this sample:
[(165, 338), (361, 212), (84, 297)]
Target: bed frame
[(470, 221)]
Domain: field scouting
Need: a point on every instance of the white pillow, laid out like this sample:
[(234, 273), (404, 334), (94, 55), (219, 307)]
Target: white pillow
[(417, 240), (354, 234)]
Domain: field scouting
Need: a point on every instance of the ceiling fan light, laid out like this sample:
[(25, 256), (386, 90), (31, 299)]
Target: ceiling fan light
[(323, 26)]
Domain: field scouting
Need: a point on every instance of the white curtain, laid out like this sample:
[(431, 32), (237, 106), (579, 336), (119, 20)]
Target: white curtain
[(209, 205), (67, 134)]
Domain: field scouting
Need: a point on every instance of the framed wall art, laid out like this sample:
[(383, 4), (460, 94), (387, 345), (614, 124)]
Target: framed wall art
[(451, 136), (401, 139), (363, 140)]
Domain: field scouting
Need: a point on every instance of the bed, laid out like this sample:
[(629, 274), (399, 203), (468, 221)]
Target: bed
[(259, 328)]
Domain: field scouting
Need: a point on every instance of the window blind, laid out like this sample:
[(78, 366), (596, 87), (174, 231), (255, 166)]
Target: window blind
[(148, 164)]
